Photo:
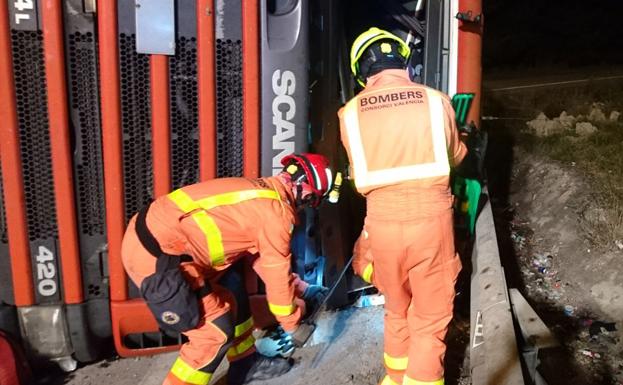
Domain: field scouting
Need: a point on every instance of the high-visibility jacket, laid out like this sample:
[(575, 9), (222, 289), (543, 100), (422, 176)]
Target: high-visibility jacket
[(219, 221), (397, 132)]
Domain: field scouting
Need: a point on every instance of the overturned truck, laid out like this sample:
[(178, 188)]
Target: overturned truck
[(107, 104)]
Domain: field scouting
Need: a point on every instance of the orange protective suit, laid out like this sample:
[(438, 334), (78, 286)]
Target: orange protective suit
[(362, 259), (217, 223), (262, 316), (401, 140)]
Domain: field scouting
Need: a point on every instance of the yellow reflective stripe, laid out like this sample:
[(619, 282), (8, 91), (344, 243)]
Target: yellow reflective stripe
[(186, 373), (396, 363), (367, 273), (351, 120), (214, 240), (183, 201), (243, 327), (281, 309), (388, 381), (409, 381), (365, 178), (232, 198), (213, 237), (242, 347), (187, 204)]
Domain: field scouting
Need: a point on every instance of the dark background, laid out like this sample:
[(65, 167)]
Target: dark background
[(546, 33)]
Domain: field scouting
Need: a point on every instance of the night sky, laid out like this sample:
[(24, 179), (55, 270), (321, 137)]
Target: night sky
[(548, 33)]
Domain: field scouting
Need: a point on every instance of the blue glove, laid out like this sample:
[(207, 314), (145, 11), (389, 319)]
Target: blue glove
[(275, 343)]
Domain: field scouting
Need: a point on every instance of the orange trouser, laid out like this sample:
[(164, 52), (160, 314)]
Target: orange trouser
[(416, 267), (225, 327), (225, 330), (227, 315)]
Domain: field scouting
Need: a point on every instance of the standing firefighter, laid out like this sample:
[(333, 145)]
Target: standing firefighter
[(184, 251), (401, 140)]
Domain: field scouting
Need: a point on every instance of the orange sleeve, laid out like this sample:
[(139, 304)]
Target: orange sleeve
[(274, 268), (456, 148)]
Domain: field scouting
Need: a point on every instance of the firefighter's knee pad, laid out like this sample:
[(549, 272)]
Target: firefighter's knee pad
[(225, 325)]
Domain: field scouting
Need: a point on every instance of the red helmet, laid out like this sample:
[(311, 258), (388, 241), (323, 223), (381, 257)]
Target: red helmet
[(311, 169)]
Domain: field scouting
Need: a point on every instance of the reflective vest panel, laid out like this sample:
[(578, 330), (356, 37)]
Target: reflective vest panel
[(366, 178)]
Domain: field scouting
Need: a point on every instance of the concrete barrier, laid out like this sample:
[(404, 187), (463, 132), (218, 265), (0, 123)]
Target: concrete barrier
[(494, 357)]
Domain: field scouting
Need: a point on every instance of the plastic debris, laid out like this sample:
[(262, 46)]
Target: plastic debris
[(370, 300), (588, 353), (569, 310), (519, 240), (599, 327), (619, 244), (542, 261)]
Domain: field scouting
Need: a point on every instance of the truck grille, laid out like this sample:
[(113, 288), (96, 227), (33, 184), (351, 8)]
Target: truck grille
[(184, 113), (32, 113), (229, 137), (136, 125)]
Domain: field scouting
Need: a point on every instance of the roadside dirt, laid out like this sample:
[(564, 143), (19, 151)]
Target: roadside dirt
[(542, 209)]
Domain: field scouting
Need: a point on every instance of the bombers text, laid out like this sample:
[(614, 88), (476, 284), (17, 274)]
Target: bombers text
[(387, 98)]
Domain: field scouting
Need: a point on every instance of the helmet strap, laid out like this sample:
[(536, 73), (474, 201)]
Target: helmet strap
[(299, 195)]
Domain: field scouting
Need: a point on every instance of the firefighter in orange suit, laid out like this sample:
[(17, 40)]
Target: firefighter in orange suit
[(401, 139), (185, 250)]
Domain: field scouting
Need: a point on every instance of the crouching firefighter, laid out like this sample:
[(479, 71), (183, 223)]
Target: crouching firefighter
[(185, 249), (401, 139)]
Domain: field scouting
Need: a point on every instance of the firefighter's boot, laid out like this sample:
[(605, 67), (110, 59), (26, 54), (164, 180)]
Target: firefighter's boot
[(257, 367)]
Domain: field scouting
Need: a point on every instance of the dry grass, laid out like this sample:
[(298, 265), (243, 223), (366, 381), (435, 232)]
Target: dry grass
[(598, 156), (527, 103)]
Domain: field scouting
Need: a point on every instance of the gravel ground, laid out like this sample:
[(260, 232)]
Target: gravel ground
[(346, 349)]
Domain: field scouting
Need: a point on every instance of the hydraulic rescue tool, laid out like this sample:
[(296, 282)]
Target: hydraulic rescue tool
[(307, 327)]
